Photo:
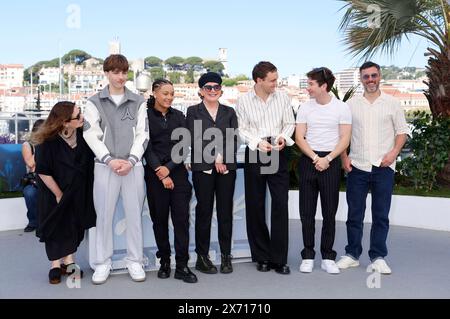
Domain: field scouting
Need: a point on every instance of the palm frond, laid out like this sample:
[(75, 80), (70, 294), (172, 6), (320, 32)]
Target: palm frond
[(397, 19)]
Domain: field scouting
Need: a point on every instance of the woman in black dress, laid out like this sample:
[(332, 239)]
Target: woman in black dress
[(64, 164)]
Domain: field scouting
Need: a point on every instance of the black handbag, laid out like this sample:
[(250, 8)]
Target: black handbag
[(28, 179)]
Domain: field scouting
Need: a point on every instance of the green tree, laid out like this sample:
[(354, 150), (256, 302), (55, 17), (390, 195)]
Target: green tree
[(214, 66), (194, 60), (130, 76), (430, 144), (153, 61), (32, 69), (175, 77), (189, 78), (229, 82), (242, 77), (367, 32), (175, 60), (75, 56), (157, 73)]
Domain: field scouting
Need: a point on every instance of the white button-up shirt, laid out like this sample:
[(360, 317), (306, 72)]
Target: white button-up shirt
[(374, 129), (258, 119)]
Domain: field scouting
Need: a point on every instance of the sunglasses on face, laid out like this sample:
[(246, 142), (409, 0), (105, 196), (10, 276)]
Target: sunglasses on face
[(209, 88), (368, 76), (76, 117)]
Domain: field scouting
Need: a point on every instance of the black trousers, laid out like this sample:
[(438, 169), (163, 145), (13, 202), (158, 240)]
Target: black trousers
[(206, 186), (264, 246), (160, 201), (311, 183)]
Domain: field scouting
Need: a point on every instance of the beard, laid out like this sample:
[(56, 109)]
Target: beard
[(372, 88)]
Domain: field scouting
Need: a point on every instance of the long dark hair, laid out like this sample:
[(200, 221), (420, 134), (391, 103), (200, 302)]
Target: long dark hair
[(60, 113), (156, 85)]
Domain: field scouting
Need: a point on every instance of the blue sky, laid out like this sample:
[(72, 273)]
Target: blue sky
[(295, 35)]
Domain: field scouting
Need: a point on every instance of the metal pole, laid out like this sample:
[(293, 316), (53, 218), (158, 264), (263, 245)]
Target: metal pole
[(61, 80), (31, 82), (16, 129)]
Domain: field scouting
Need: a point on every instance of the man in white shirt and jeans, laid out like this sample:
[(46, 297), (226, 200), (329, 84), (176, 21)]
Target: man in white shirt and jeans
[(378, 135), (322, 133)]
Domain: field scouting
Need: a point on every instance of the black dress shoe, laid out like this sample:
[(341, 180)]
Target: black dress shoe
[(164, 270), (263, 266), (205, 265), (29, 229), (54, 276), (225, 266), (185, 274), (281, 268), (72, 269)]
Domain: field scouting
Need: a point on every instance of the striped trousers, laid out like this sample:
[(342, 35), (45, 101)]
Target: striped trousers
[(311, 183)]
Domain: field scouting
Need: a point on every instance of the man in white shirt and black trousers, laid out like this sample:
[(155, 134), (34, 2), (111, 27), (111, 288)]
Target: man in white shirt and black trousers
[(322, 133), (266, 124)]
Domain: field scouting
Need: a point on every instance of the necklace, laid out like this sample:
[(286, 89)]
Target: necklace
[(212, 111), (70, 140)]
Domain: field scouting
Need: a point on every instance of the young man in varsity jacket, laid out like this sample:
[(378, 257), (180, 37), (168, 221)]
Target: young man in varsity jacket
[(116, 129)]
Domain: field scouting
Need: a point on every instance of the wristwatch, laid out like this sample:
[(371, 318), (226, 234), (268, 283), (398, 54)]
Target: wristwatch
[(329, 159)]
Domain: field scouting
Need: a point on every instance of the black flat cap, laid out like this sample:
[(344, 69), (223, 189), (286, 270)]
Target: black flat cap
[(209, 77)]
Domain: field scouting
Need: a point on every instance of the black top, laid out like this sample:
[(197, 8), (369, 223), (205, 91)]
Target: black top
[(225, 118), (159, 148), (73, 171)]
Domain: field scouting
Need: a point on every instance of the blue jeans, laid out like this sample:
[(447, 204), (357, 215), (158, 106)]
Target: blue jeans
[(380, 182), (30, 195)]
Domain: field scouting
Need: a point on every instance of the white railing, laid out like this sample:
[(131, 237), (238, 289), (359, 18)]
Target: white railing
[(17, 132)]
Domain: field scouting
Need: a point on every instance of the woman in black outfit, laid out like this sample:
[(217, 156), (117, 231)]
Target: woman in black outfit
[(65, 166), (167, 182), (213, 176)]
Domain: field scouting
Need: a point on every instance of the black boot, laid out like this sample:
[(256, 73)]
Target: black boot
[(164, 269), (225, 266), (184, 273), (205, 265)]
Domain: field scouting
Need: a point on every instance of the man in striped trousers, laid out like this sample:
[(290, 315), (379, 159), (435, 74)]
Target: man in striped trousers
[(322, 133)]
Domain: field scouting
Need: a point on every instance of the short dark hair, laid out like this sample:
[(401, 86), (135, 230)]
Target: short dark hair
[(369, 64), (116, 62), (261, 69), (322, 75)]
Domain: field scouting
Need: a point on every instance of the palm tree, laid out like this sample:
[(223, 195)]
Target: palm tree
[(374, 26), (347, 95)]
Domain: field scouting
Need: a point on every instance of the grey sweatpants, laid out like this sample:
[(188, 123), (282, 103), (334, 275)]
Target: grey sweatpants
[(108, 186)]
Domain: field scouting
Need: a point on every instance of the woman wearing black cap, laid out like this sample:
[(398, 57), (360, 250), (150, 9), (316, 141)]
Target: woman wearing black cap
[(213, 163)]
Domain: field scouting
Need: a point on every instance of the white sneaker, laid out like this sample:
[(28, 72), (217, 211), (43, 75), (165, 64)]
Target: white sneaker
[(307, 265), (136, 271), (380, 266), (101, 274), (347, 262), (330, 266)]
